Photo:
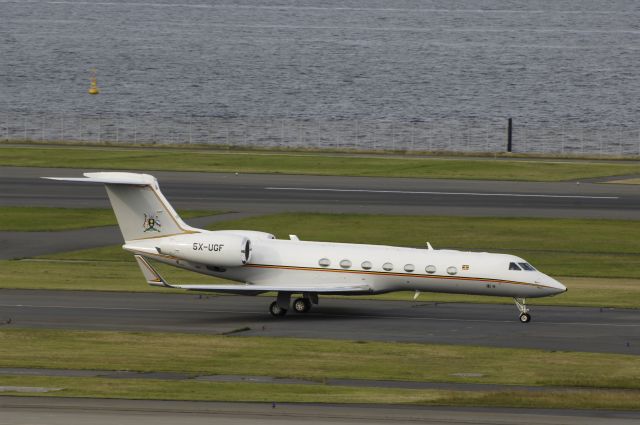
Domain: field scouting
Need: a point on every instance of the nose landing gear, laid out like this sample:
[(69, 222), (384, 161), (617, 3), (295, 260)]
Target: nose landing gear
[(521, 303)]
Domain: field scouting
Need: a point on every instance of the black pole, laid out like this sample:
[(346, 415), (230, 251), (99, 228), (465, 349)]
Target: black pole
[(509, 135)]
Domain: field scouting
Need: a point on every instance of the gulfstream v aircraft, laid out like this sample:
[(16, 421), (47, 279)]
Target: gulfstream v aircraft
[(261, 263)]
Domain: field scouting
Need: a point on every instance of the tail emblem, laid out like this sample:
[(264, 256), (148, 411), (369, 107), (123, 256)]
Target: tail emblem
[(151, 223)]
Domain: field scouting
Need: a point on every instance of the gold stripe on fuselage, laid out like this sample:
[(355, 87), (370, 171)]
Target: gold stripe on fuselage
[(403, 275), (365, 272)]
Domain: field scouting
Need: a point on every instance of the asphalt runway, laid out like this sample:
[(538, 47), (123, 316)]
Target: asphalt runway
[(552, 328), (267, 193), (64, 411)]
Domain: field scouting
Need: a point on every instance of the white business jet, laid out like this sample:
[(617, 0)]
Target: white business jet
[(153, 230)]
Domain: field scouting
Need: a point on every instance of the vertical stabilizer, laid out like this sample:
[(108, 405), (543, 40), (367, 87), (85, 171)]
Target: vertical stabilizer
[(141, 209)]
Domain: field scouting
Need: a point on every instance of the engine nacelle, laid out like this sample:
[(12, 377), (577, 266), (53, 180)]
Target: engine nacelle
[(211, 248)]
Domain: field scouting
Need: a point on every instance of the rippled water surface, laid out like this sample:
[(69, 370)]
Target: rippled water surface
[(572, 62)]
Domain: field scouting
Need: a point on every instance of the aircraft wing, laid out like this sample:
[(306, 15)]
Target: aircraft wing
[(154, 278)]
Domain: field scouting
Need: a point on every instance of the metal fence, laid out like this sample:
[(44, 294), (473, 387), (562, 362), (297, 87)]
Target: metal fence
[(460, 135)]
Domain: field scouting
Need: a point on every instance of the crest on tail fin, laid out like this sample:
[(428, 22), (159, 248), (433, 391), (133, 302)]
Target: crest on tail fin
[(136, 198), (151, 223)]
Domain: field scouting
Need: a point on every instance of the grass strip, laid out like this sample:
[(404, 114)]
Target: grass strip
[(147, 159), (43, 219), (281, 357), (581, 248), (559, 247), (89, 276), (280, 393), (584, 292), (125, 276)]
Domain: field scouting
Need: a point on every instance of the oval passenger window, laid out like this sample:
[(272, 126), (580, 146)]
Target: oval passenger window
[(452, 270), (366, 265), (430, 269), (324, 262), (387, 266), (345, 264), (409, 268)]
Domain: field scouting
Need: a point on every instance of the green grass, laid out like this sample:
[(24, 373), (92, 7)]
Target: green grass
[(608, 250), (43, 219), (144, 389), (605, 381), (280, 357), (562, 247), (583, 292), (148, 159), (126, 276), (89, 275)]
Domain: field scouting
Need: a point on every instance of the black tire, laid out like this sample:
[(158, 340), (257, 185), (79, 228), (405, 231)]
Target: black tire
[(525, 317), (301, 305), (276, 310)]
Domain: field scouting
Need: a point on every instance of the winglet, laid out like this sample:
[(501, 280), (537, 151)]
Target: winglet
[(152, 276)]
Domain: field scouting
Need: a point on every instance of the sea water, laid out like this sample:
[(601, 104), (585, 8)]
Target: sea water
[(217, 69)]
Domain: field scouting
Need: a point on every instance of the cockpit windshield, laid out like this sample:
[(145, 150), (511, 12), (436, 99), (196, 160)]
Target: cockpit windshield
[(522, 266), (527, 267)]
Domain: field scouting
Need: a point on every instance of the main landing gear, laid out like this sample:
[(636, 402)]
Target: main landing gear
[(276, 310), (521, 303), (300, 305)]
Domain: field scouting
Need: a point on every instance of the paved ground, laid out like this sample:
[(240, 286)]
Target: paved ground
[(64, 411), (552, 328), (256, 193), (32, 244)]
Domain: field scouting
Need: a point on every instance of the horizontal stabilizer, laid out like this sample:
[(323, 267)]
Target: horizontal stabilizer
[(111, 178), (150, 274)]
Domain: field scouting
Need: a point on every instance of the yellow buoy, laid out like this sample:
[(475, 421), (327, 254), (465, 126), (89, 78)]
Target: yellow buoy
[(93, 89)]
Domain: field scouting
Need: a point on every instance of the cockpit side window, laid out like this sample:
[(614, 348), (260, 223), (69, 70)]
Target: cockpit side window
[(514, 266), (527, 266)]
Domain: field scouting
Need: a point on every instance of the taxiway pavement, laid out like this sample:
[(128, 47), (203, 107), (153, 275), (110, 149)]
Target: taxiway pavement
[(552, 328), (64, 411)]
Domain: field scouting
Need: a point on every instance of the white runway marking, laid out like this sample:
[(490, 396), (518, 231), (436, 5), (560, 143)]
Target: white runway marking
[(412, 192)]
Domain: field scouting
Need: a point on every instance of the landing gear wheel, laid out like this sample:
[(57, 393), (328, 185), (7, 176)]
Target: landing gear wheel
[(276, 310), (301, 305), (521, 303)]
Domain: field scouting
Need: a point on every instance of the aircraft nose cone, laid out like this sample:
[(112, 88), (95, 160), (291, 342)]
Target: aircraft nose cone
[(558, 288)]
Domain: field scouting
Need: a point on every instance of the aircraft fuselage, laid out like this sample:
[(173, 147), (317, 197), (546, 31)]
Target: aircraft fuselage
[(382, 268)]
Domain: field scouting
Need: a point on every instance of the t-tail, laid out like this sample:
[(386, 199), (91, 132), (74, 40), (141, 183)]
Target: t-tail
[(141, 209)]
